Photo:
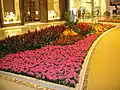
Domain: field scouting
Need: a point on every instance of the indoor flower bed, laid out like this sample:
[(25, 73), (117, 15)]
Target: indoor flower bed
[(59, 64), (53, 54)]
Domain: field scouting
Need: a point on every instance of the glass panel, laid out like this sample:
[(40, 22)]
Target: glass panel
[(85, 9), (87, 6), (88, 9), (37, 10), (53, 10), (11, 11), (97, 7), (32, 10)]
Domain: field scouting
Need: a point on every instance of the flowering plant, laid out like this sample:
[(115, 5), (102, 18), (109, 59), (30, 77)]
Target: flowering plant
[(31, 40), (67, 40), (59, 64), (85, 28), (100, 28)]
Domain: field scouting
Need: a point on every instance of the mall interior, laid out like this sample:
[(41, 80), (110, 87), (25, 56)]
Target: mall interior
[(19, 18), (20, 12)]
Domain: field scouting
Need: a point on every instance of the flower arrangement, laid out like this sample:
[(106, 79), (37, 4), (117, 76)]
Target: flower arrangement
[(59, 64)]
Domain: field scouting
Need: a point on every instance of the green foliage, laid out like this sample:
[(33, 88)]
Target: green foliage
[(67, 16), (71, 24), (107, 13)]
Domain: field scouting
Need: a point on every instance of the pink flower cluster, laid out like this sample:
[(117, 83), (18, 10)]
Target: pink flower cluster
[(53, 63)]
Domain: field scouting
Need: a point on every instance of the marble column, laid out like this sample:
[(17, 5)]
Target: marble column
[(17, 9), (108, 5), (1, 15), (64, 7), (44, 10), (22, 11), (105, 6), (56, 7)]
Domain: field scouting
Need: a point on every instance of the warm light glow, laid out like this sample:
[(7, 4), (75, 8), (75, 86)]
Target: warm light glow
[(13, 32), (28, 13), (12, 16), (38, 28), (36, 12), (53, 10), (7, 22)]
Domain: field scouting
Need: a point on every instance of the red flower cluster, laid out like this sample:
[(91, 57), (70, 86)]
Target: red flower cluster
[(59, 64), (67, 40), (85, 28)]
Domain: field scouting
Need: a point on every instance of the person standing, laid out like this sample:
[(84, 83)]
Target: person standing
[(115, 10)]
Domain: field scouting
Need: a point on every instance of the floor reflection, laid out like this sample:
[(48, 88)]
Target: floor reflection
[(17, 30), (13, 32)]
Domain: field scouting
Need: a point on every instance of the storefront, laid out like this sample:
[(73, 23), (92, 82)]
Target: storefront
[(10, 12), (53, 9), (19, 12), (90, 7)]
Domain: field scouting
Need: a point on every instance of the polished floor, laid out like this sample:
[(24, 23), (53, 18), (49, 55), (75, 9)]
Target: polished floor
[(17, 30), (104, 66)]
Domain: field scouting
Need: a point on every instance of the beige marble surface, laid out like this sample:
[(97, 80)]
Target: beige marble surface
[(8, 85)]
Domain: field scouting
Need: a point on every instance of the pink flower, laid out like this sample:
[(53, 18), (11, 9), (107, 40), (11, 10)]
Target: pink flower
[(53, 63)]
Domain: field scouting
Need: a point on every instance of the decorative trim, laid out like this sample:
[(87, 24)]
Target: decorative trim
[(33, 81), (25, 83)]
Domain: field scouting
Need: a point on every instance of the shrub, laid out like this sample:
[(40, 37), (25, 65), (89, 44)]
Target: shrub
[(107, 14), (70, 23)]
